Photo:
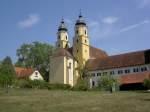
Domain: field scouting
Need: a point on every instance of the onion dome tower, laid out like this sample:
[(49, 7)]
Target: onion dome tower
[(81, 41), (62, 36)]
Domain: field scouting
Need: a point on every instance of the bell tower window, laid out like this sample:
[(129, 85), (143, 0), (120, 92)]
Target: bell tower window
[(66, 45), (77, 31), (59, 37), (77, 40)]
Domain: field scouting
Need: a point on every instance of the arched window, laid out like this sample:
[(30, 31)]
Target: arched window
[(66, 37), (77, 51), (85, 32), (77, 40), (77, 31), (85, 40), (59, 37), (66, 46)]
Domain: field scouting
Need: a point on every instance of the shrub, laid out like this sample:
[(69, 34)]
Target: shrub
[(22, 83), (82, 85), (146, 83), (7, 73), (108, 83), (59, 86), (38, 84)]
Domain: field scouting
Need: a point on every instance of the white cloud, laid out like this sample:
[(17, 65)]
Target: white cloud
[(97, 30), (130, 27), (110, 19), (30, 21)]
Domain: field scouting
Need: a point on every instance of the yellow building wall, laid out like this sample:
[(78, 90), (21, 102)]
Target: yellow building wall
[(62, 39), (75, 72), (81, 31), (59, 71), (83, 49)]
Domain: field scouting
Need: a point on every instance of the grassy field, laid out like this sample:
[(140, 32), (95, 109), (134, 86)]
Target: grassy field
[(70, 101)]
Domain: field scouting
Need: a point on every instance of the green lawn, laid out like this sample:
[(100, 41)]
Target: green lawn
[(71, 101)]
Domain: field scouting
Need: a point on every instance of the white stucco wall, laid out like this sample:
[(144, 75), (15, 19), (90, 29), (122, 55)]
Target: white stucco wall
[(36, 76), (70, 71), (96, 78)]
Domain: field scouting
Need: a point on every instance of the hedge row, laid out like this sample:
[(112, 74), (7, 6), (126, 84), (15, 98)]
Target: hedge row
[(39, 85)]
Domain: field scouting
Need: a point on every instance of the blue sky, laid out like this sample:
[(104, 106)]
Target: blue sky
[(116, 26)]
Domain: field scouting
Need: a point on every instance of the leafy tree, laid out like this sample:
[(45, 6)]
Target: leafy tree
[(0, 64), (146, 83), (35, 55), (82, 85), (82, 81), (83, 71), (108, 83), (7, 73)]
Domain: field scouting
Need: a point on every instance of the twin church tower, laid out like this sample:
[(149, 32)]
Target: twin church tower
[(66, 59), (80, 39)]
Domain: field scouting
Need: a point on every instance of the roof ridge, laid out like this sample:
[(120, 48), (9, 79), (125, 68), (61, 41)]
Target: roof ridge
[(132, 52)]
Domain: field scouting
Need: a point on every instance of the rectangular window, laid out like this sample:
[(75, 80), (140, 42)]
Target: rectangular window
[(93, 74), (111, 72), (127, 71), (143, 69), (93, 83), (135, 70), (98, 74), (120, 72)]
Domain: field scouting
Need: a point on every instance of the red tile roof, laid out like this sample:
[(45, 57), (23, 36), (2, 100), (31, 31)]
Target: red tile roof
[(23, 72), (97, 53), (117, 61), (62, 52), (94, 52), (134, 77)]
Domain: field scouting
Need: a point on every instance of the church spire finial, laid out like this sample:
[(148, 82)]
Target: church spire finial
[(62, 26), (80, 20), (62, 19), (80, 14)]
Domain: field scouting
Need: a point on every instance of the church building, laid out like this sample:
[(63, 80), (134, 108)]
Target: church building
[(66, 60)]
